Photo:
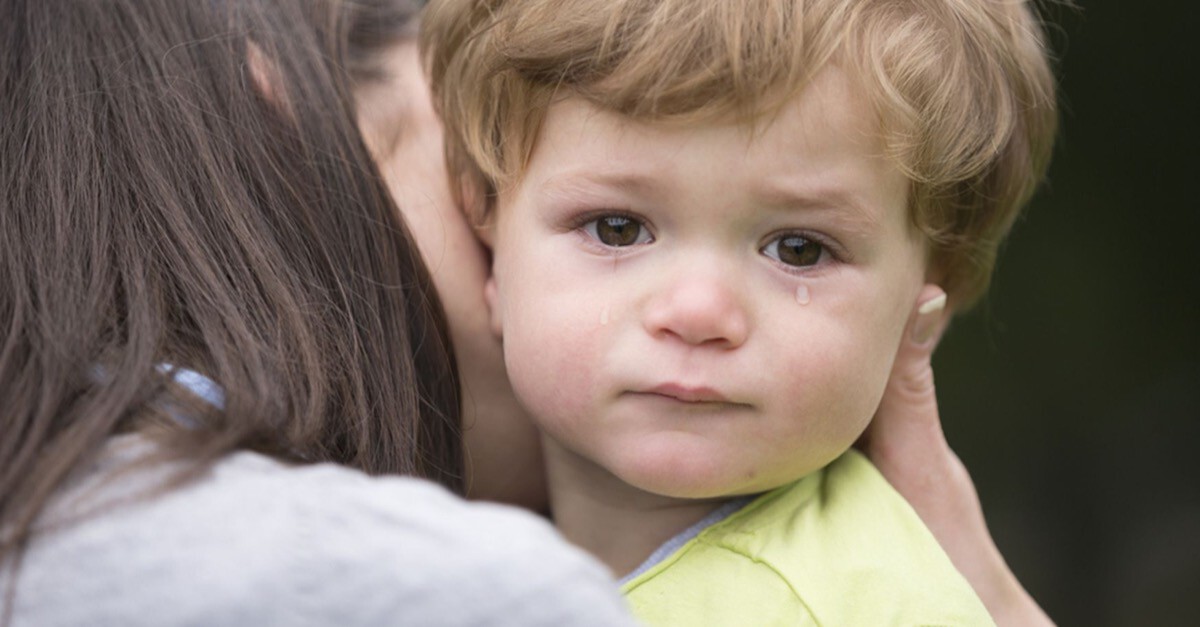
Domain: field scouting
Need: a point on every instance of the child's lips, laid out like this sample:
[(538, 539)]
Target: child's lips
[(689, 394)]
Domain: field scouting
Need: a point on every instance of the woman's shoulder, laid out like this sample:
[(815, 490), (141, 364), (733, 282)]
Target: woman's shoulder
[(398, 544), (255, 540)]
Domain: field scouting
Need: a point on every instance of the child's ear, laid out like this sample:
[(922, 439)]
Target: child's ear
[(930, 317), (934, 272), (474, 199), (486, 232), (492, 298), (935, 276)]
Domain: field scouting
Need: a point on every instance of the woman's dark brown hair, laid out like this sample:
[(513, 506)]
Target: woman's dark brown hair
[(182, 184)]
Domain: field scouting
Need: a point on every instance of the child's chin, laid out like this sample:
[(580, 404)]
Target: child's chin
[(691, 466), (699, 479)]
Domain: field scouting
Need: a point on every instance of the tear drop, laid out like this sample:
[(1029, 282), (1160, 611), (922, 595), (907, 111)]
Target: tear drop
[(803, 296)]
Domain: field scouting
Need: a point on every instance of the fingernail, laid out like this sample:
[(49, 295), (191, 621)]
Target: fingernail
[(929, 314)]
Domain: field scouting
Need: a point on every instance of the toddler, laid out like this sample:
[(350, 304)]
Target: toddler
[(710, 222)]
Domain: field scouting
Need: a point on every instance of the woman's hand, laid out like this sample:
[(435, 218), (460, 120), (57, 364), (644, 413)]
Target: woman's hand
[(905, 441)]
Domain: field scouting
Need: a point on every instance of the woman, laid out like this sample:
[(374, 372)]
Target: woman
[(186, 199)]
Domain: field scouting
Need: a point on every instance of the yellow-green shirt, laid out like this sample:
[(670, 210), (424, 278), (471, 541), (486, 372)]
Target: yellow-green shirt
[(838, 547)]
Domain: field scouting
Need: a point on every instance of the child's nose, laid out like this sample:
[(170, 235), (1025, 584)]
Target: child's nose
[(702, 309)]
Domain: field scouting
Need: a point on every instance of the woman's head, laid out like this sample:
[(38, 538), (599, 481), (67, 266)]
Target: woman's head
[(396, 116), (182, 183)]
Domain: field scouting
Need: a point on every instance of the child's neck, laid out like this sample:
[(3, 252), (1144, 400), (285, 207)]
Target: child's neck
[(614, 521)]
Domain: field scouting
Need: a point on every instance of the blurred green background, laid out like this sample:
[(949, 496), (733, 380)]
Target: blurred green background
[(1073, 392)]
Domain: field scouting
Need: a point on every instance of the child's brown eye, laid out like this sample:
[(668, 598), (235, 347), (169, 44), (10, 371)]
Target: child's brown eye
[(618, 231), (794, 250)]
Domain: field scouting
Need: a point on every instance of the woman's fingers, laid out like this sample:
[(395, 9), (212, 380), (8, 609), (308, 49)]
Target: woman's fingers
[(906, 442), (908, 415)]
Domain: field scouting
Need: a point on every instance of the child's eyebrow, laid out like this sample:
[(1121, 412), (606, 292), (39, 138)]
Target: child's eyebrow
[(613, 186), (843, 204), (570, 182)]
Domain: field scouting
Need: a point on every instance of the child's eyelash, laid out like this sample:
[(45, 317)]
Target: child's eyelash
[(824, 240), (829, 247), (613, 232), (583, 219)]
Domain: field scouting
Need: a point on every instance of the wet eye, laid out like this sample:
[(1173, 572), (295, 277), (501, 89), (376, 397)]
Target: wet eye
[(794, 250), (618, 231)]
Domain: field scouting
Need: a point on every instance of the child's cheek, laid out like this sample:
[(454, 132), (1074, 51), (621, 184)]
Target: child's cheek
[(551, 351)]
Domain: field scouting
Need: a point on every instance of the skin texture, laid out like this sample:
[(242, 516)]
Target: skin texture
[(684, 366), (503, 454)]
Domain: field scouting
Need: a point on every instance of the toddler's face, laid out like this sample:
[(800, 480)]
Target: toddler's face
[(699, 310)]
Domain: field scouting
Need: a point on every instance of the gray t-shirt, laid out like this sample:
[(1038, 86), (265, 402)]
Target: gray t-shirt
[(257, 542)]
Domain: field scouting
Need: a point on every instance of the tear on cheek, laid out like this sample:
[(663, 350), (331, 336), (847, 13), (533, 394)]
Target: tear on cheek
[(803, 295)]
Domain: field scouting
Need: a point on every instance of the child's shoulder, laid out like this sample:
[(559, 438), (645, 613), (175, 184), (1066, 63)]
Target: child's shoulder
[(839, 546)]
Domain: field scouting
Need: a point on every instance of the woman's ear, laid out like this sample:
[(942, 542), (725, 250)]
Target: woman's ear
[(267, 79)]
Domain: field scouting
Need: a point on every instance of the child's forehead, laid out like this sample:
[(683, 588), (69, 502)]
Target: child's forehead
[(833, 86), (823, 123)]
